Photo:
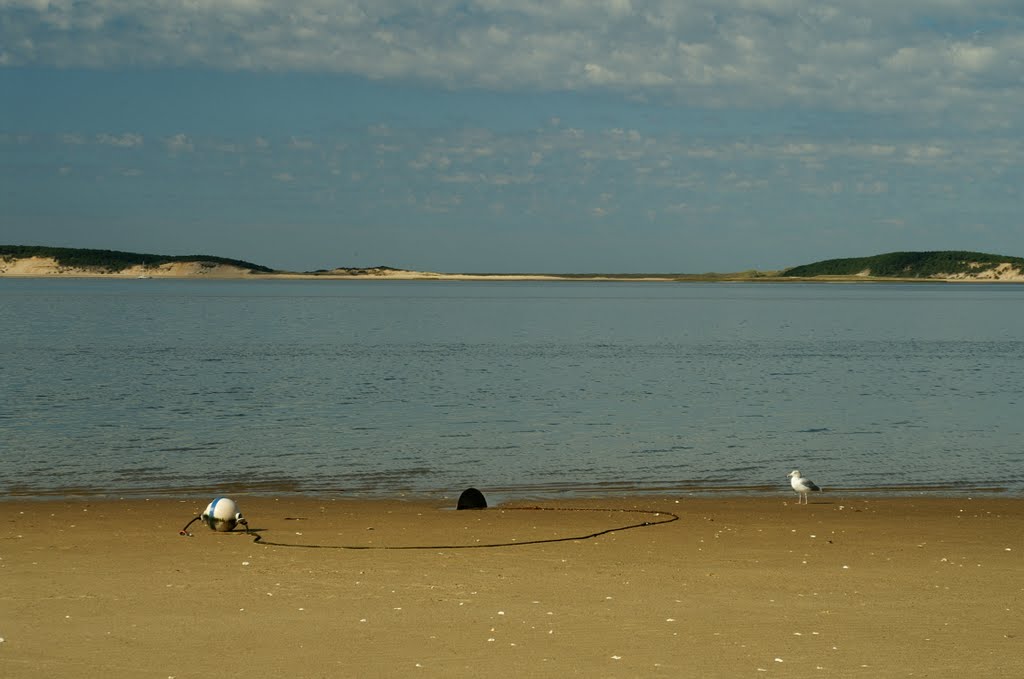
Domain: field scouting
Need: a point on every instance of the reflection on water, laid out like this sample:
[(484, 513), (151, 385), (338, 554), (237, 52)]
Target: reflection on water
[(378, 388)]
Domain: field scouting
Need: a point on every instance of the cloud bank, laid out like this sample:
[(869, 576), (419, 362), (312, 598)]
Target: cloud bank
[(932, 57)]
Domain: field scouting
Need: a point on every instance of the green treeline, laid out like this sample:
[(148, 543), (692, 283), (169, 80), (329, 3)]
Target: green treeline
[(906, 264), (114, 260)]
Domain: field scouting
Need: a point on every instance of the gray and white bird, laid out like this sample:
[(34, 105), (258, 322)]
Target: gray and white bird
[(802, 485)]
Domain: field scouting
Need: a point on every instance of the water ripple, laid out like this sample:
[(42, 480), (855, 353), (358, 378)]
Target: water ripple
[(538, 389)]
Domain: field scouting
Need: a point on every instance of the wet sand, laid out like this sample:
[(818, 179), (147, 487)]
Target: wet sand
[(737, 587)]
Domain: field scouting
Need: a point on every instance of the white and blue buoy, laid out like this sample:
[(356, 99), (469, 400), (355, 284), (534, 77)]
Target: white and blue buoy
[(222, 515)]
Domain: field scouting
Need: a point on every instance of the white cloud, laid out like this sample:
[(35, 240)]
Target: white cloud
[(859, 55), (179, 143), (802, 149), (438, 203), (126, 141), (460, 178), (502, 179), (969, 58), (872, 188), (924, 153)]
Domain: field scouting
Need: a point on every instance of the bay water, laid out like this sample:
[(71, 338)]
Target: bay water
[(522, 389)]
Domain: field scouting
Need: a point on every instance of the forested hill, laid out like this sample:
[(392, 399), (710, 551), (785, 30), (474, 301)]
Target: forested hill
[(945, 263), (114, 260)]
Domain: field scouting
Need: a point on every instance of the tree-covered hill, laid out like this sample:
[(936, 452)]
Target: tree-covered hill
[(906, 265), (114, 260)]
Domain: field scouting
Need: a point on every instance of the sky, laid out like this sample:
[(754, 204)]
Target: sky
[(613, 136)]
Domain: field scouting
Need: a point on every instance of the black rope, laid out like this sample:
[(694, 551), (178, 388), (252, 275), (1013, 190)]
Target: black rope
[(184, 531), (669, 518)]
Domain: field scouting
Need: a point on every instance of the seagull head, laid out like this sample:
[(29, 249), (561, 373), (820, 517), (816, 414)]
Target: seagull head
[(794, 474)]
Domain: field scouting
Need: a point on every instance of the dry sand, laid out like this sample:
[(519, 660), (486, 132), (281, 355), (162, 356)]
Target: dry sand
[(738, 587)]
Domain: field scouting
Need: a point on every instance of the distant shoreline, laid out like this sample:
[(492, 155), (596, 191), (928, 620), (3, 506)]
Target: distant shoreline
[(414, 276), (45, 267)]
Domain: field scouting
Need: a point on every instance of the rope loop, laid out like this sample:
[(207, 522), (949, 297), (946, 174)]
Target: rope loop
[(667, 517)]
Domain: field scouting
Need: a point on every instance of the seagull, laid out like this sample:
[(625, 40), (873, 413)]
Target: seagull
[(801, 484)]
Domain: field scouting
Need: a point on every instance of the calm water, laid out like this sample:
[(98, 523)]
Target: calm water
[(378, 388)]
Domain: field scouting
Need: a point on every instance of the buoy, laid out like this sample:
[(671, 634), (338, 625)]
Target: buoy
[(222, 515), (472, 498)]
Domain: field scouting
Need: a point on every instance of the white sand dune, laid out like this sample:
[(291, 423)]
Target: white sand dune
[(47, 266)]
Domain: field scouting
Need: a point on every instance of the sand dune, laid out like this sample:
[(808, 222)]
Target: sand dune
[(47, 266)]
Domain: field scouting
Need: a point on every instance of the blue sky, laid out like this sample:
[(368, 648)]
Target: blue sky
[(504, 136)]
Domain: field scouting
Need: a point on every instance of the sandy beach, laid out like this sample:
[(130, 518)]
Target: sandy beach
[(737, 587)]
